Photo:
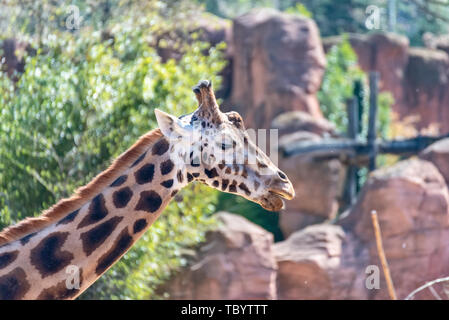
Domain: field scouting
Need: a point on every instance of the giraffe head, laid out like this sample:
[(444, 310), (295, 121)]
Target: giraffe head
[(215, 148)]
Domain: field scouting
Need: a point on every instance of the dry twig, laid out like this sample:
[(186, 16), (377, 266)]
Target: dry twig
[(381, 253)]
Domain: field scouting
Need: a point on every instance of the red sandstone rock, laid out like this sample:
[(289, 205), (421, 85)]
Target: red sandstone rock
[(412, 203), (278, 64), (408, 196), (235, 262), (438, 154), (293, 121), (440, 42), (317, 183), (321, 262)]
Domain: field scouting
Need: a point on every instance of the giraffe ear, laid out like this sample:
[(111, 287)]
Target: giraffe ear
[(170, 126)]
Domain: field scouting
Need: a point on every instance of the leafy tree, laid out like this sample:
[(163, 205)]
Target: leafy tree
[(299, 9)]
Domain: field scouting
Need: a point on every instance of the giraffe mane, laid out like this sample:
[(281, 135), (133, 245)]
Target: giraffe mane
[(82, 194)]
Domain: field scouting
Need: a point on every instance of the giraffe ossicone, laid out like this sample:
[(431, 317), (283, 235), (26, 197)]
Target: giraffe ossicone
[(94, 228)]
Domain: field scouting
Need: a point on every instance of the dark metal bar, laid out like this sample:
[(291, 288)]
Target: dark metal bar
[(359, 97), (350, 191), (372, 118), (348, 147), (326, 148), (353, 118), (409, 146)]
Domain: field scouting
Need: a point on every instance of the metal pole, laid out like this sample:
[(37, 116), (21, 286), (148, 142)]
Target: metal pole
[(353, 128), (350, 192), (359, 96), (372, 118), (353, 118)]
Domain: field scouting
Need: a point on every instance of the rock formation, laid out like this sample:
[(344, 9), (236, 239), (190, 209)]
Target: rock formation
[(438, 154), (440, 42), (317, 182), (278, 64), (412, 203), (294, 121), (321, 262), (235, 262)]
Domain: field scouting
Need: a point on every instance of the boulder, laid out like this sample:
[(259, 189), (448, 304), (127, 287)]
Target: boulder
[(321, 262), (318, 185), (440, 42), (235, 262), (438, 154), (293, 121), (412, 203), (409, 196), (278, 64), (426, 89), (291, 221), (317, 182)]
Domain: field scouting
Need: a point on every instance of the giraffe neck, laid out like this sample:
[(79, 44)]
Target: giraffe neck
[(88, 241)]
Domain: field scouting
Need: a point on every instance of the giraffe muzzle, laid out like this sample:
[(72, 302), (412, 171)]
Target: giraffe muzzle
[(287, 194), (282, 188), (274, 200)]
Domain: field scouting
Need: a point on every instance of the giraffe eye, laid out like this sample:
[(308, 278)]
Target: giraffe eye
[(226, 146)]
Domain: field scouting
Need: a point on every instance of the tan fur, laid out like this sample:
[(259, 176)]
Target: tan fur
[(83, 194)]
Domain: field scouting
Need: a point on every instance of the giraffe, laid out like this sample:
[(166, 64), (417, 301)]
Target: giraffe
[(96, 226)]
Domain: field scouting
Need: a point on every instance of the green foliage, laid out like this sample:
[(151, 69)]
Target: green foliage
[(343, 80), (299, 9), (334, 18), (342, 73), (36, 20), (82, 101), (338, 81), (251, 211), (385, 101)]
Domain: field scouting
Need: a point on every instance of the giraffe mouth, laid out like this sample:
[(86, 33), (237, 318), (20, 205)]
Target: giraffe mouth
[(274, 201)]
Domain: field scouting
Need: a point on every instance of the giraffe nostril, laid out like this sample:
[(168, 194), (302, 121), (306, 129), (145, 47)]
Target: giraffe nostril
[(282, 175)]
